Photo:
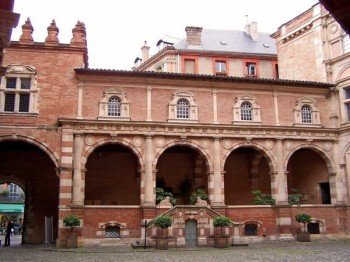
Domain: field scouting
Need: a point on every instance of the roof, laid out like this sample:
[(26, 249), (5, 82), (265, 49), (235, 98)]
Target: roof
[(236, 41), (199, 77)]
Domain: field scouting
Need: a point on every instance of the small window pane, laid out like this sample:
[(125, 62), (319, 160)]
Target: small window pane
[(306, 114), (347, 93), (183, 108), (220, 66), (9, 102), (24, 103), (25, 83), (246, 111), (11, 82), (114, 105)]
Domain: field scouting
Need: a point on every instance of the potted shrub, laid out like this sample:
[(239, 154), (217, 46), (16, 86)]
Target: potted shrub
[(71, 221), (162, 222), (221, 241), (303, 236)]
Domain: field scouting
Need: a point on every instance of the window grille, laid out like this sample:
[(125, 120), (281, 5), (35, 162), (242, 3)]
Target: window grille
[(11, 83), (250, 229), (24, 103), (112, 232), (246, 111), (306, 114), (9, 102), (114, 106), (25, 83), (183, 108), (313, 228)]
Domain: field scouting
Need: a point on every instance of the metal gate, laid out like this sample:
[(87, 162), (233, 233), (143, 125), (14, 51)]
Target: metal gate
[(191, 232)]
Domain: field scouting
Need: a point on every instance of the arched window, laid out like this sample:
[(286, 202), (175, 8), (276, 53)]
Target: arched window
[(250, 229), (114, 105), (306, 114), (183, 108), (112, 232), (246, 111)]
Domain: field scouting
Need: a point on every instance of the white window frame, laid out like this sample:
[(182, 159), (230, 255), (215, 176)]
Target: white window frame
[(220, 67), (104, 106), (183, 109), (238, 118), (314, 112), (20, 72), (346, 103), (173, 108), (346, 44)]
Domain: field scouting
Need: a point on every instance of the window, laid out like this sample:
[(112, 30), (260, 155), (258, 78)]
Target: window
[(251, 70), (346, 44), (220, 67), (183, 107), (313, 227), (347, 104), (112, 231), (250, 229), (114, 104), (246, 111), (306, 114), (276, 72), (190, 66), (18, 90)]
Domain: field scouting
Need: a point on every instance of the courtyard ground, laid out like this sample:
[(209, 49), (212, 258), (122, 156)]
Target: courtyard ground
[(317, 250)]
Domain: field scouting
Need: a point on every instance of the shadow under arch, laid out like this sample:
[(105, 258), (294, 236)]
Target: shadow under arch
[(189, 144), (268, 157), (326, 157), (107, 141), (32, 141)]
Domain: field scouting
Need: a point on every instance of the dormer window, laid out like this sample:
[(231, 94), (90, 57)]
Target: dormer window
[(246, 111), (306, 113), (182, 108), (114, 106)]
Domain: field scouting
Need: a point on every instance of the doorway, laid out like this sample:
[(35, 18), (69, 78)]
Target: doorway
[(191, 233)]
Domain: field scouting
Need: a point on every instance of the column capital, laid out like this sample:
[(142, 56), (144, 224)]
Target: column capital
[(149, 135), (149, 88)]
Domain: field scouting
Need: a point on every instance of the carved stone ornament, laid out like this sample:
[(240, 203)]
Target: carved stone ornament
[(89, 140), (160, 142), (137, 141), (288, 144), (227, 143), (205, 143), (269, 144)]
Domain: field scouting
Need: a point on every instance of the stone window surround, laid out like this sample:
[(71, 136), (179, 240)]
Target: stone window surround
[(256, 115), (103, 106), (315, 114), (172, 108), (20, 71)]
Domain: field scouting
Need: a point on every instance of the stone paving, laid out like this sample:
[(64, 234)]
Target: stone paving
[(319, 250)]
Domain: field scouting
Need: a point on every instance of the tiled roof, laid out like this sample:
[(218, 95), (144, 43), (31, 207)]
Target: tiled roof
[(236, 41), (199, 77)]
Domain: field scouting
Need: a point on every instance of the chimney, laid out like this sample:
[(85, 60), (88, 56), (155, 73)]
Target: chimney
[(145, 52), (27, 31), (52, 31), (79, 35), (252, 29), (193, 36)]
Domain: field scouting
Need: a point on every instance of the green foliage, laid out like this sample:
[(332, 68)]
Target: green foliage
[(303, 218), (262, 199), (294, 197), (5, 192), (221, 221), (71, 221), (163, 221), (161, 194), (198, 193)]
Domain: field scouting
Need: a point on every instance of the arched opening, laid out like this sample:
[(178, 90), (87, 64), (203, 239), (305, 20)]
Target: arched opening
[(112, 176), (181, 170), (26, 165), (246, 169), (308, 174)]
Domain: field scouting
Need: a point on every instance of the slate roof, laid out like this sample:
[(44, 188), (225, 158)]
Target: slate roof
[(236, 41)]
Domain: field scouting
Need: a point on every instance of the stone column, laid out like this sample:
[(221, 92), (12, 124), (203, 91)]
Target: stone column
[(149, 104), (215, 107), (217, 176), (149, 199), (281, 179), (77, 181)]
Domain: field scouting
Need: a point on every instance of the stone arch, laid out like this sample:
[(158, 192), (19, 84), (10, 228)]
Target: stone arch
[(106, 141), (13, 180), (341, 72), (32, 141), (343, 153), (317, 149), (267, 155), (190, 144)]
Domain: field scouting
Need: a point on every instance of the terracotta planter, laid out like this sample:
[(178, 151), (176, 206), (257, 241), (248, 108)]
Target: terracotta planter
[(72, 240), (221, 242), (162, 243), (303, 237)]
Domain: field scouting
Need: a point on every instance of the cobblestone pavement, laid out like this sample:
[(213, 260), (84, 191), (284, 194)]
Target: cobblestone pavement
[(320, 250)]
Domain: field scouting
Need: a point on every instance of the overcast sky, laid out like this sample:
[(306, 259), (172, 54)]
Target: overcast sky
[(116, 29)]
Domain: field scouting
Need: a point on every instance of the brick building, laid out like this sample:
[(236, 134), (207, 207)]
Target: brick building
[(96, 143)]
